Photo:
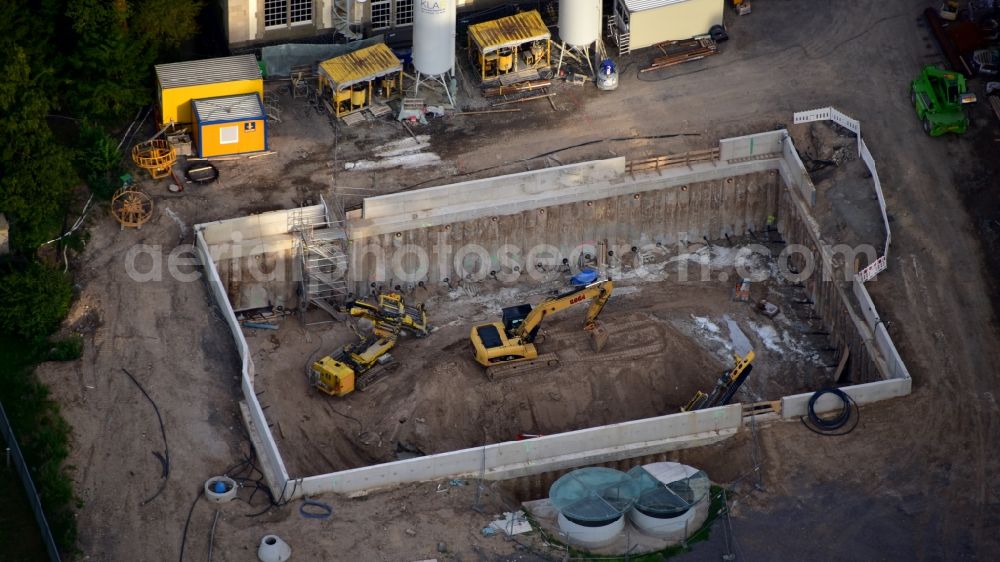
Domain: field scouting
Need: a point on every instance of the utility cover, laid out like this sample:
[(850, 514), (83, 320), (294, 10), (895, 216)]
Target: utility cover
[(668, 489), (594, 495)]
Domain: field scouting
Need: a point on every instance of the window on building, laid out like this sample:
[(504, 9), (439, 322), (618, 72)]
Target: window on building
[(300, 11), (229, 135), (283, 13), (404, 12), (381, 14)]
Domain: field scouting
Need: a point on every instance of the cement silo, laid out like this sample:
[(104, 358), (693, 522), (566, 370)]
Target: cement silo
[(579, 29), (434, 43)]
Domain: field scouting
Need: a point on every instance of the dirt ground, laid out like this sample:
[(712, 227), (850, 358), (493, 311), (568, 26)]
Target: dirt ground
[(667, 339), (915, 480)]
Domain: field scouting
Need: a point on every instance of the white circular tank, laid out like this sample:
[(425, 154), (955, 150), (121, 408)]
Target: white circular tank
[(673, 500), (434, 36), (579, 22), (591, 537)]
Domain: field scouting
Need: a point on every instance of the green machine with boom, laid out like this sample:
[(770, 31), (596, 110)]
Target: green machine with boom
[(938, 96)]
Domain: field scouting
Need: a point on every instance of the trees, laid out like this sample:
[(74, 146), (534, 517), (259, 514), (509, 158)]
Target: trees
[(36, 174)]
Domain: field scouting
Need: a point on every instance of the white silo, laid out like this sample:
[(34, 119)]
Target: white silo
[(579, 28), (434, 42)]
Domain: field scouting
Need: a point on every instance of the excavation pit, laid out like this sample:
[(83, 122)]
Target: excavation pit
[(741, 211)]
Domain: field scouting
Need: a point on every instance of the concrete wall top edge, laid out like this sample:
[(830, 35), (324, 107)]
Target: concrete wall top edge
[(669, 177)]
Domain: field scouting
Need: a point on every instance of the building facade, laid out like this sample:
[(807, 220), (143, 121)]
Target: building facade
[(258, 22)]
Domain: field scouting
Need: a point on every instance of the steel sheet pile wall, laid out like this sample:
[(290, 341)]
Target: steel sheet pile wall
[(647, 211), (847, 331)]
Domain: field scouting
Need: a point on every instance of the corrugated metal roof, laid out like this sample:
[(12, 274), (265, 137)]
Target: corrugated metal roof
[(509, 31), (640, 5), (228, 108), (360, 66), (208, 71)]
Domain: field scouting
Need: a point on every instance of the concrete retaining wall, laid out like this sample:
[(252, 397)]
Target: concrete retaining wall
[(793, 407), (709, 199), (268, 457), (544, 454)]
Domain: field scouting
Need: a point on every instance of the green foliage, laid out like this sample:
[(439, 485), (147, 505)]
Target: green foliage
[(36, 175), (99, 161), (110, 70), (168, 22), (67, 349), (33, 301), (41, 432)]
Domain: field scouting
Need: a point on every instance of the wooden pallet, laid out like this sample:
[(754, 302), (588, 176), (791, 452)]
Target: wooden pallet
[(379, 109), (352, 119), (678, 52)]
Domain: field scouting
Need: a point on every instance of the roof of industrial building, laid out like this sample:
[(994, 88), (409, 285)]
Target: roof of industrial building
[(509, 31), (208, 71), (360, 66), (640, 5), (228, 108)]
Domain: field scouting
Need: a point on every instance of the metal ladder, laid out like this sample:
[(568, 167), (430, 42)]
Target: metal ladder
[(621, 39)]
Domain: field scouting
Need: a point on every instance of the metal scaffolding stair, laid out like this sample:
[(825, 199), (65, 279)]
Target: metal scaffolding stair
[(321, 236), (621, 39)]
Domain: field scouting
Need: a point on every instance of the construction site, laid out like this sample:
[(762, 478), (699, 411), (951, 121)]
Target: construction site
[(565, 285)]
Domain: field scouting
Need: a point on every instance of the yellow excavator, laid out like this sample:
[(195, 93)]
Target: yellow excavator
[(725, 387), (358, 365), (507, 348)]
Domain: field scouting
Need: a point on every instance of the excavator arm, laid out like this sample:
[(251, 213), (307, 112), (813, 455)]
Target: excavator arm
[(598, 294), (512, 339)]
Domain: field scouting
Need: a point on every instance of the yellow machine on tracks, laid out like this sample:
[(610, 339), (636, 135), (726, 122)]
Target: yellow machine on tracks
[(507, 348), (725, 387), (359, 365)]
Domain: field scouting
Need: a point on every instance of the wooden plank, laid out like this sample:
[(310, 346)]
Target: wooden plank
[(523, 99)]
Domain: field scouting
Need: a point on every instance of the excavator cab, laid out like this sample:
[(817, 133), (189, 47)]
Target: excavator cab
[(509, 344), (513, 316), (333, 377)]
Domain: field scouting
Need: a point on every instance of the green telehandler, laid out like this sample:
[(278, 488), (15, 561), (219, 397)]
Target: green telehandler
[(938, 96)]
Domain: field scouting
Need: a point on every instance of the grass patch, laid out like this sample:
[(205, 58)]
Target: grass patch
[(19, 534), (42, 433)]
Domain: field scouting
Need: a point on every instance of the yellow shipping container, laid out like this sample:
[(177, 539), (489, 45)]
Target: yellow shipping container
[(180, 82), (229, 125)]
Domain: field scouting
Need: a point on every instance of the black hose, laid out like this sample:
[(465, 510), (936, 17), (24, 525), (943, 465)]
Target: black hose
[(165, 457), (833, 426), (200, 171)]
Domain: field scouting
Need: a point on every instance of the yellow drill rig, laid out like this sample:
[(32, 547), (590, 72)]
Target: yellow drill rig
[(507, 348), (725, 387), (358, 365)]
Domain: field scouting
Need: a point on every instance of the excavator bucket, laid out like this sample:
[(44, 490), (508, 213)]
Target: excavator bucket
[(598, 338)]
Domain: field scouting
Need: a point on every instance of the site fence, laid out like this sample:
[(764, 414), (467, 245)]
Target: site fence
[(21, 467), (853, 125)]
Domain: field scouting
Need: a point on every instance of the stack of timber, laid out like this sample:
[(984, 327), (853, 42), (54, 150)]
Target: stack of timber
[(677, 52)]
